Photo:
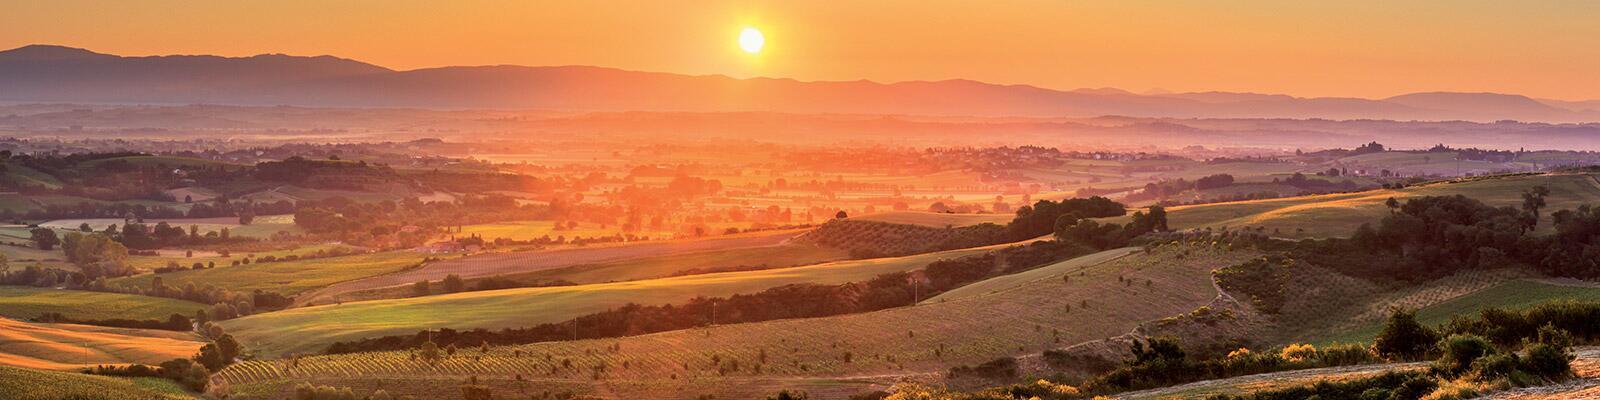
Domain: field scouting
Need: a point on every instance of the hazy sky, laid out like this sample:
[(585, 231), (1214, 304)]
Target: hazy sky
[(1322, 48)]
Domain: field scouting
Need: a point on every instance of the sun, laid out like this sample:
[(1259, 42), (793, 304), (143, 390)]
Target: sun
[(751, 40)]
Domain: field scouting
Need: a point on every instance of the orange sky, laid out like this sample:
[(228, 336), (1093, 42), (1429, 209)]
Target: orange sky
[(1334, 48)]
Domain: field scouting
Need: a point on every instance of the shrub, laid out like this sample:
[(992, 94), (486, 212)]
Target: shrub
[(1004, 367), (1547, 361), (1458, 352), (1347, 354), (1241, 352), (1415, 387), (1403, 338), (1495, 366), (1298, 352), (788, 395), (1453, 390), (1377, 394)]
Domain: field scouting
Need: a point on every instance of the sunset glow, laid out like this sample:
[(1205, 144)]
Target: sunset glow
[(1359, 48), (799, 200), (751, 40)]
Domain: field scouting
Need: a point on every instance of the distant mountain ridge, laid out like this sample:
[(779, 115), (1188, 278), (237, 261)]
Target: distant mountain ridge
[(43, 73)]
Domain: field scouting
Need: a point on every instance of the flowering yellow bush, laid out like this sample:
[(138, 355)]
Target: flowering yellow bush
[(1298, 352), (1241, 352), (1064, 390)]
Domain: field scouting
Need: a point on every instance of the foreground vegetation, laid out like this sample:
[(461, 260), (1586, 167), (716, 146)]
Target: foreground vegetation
[(1521, 349), (26, 384)]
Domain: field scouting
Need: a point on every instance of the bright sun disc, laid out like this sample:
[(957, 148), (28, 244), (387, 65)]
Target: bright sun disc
[(751, 40)]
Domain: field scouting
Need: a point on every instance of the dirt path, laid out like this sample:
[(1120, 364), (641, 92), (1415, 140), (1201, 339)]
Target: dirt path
[(1585, 386), (1198, 389), (493, 264)]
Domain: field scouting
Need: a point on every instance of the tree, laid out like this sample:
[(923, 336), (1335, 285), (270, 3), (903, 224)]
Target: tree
[(246, 217), (454, 284), (429, 352), (421, 288), (1403, 338), (211, 357), (229, 348), (1533, 201), (97, 255), (1158, 218), (788, 395), (1394, 205), (84, 227), (841, 215), (1213, 181), (45, 238)]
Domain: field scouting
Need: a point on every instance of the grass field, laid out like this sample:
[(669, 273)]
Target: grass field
[(531, 230), (26, 384), (318, 326), (1243, 171), (927, 338), (1518, 294), (169, 161), (23, 175), (21, 257), (777, 256), (523, 262), (208, 257), (937, 220), (286, 277), (262, 227), (1007, 282), (1332, 215), (29, 302), (68, 346)]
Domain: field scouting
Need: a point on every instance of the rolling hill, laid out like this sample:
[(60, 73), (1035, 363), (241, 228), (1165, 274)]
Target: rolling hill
[(318, 326), (1337, 215), (848, 353), (68, 346)]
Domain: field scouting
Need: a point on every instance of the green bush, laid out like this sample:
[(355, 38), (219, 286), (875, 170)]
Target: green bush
[(1377, 394), (1458, 352), (1496, 366), (1347, 354), (1403, 338), (1547, 361)]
